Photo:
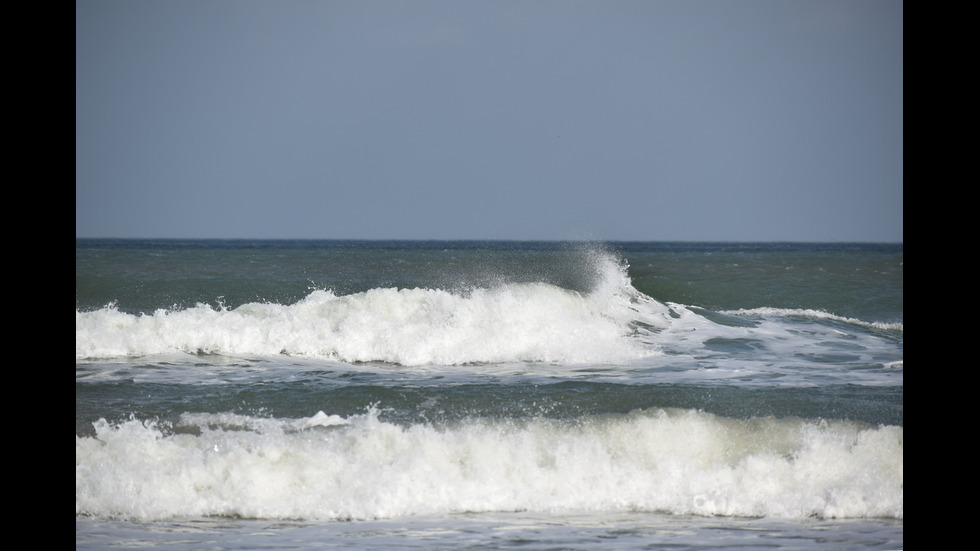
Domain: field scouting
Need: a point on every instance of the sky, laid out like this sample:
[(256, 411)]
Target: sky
[(648, 120)]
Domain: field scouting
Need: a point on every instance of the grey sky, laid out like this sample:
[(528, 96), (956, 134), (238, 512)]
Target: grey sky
[(750, 120)]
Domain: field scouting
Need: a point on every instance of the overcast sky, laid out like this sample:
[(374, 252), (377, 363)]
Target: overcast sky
[(652, 120)]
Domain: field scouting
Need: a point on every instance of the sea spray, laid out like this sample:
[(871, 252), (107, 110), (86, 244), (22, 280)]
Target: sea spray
[(362, 467), (527, 322)]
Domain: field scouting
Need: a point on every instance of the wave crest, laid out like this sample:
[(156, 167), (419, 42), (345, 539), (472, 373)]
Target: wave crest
[(531, 322)]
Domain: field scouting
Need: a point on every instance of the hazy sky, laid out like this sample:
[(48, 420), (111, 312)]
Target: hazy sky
[(653, 120)]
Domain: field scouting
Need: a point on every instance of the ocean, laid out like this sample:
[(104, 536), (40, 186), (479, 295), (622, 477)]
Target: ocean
[(301, 394)]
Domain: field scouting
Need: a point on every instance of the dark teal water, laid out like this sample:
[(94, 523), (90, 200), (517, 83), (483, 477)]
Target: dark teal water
[(370, 366)]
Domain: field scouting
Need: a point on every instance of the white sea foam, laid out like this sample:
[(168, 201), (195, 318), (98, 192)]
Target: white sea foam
[(507, 324), (815, 314), (326, 467), (535, 322)]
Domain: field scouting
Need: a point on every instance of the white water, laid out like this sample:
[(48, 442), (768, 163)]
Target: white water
[(327, 467), (614, 324), (532, 322)]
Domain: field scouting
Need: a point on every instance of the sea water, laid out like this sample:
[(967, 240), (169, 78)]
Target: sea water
[(431, 394)]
